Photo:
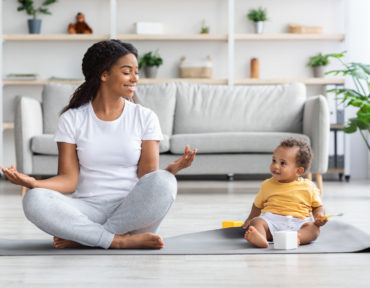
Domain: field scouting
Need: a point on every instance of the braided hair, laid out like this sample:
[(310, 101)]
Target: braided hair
[(98, 58)]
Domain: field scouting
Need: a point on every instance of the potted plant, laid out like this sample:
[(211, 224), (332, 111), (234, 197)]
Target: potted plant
[(34, 24), (258, 16), (358, 97), (317, 63), (150, 62)]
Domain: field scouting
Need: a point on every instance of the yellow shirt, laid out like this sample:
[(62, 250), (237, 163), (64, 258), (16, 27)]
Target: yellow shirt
[(295, 198)]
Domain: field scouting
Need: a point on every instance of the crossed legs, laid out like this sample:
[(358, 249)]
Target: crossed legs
[(259, 233), (129, 223)]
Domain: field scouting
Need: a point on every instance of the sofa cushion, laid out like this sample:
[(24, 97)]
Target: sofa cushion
[(55, 97), (44, 144), (217, 108), (231, 142), (160, 98)]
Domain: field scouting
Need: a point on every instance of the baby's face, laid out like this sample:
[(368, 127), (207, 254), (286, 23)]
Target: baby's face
[(283, 167)]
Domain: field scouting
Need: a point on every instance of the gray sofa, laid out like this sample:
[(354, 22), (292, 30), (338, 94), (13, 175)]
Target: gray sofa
[(235, 129)]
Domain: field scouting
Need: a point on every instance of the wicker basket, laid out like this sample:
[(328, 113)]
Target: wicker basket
[(201, 69), (300, 29)]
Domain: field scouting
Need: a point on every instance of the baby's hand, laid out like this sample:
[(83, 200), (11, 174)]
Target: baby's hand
[(320, 220), (246, 224)]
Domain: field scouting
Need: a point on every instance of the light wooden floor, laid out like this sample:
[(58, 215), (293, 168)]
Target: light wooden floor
[(200, 205)]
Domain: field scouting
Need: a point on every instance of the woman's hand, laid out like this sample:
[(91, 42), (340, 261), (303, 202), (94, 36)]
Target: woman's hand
[(18, 178), (183, 162)]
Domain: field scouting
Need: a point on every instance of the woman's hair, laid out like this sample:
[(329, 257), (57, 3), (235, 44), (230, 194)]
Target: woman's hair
[(304, 155), (98, 58)]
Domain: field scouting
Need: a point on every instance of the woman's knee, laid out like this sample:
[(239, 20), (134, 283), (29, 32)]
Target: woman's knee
[(160, 182), (33, 201)]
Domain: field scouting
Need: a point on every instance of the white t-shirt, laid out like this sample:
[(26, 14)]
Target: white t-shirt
[(108, 151)]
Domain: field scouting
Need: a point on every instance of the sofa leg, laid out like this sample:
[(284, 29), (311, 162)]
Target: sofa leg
[(318, 177), (309, 176), (230, 177), (23, 191)]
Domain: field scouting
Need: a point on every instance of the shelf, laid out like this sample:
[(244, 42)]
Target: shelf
[(172, 37), (336, 126), (188, 80), (38, 82), (289, 36), (8, 126), (246, 81), (55, 37), (335, 170), (307, 81)]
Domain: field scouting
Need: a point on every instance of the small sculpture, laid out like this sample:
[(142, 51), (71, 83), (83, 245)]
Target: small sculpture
[(80, 27)]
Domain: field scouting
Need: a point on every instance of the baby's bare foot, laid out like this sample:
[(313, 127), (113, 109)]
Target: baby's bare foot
[(61, 243), (255, 237), (144, 240)]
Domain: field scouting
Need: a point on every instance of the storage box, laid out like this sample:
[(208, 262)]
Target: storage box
[(300, 29), (148, 28), (196, 69)]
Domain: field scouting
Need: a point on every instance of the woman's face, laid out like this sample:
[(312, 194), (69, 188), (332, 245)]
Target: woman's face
[(123, 76)]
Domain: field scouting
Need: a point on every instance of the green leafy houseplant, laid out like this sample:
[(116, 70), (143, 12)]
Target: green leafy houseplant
[(319, 60), (150, 59), (257, 15), (29, 7), (357, 97)]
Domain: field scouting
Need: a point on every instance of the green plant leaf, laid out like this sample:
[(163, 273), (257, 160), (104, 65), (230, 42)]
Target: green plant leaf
[(351, 126)]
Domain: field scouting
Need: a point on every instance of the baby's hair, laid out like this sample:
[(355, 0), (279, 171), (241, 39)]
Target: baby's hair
[(304, 154)]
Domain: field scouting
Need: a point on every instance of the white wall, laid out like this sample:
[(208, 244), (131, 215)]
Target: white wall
[(277, 58)]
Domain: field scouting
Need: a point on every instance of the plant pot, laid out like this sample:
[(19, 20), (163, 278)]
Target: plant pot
[(34, 26), (258, 26), (318, 71), (151, 71)]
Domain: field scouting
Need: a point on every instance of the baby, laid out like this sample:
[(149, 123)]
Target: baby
[(286, 200)]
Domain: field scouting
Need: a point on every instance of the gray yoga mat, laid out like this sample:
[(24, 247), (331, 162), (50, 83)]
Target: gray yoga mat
[(336, 237)]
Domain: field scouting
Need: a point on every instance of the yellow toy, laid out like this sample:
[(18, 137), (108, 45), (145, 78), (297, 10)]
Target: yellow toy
[(232, 223)]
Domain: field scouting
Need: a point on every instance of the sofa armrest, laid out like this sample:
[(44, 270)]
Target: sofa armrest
[(316, 125), (27, 123)]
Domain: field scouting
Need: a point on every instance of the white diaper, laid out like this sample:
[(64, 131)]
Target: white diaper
[(283, 223)]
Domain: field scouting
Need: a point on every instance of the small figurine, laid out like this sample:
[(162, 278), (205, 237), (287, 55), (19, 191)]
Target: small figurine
[(80, 27)]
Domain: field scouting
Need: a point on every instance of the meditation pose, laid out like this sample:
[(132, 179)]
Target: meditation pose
[(286, 200), (108, 158)]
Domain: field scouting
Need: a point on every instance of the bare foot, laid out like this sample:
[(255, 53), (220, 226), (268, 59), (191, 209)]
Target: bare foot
[(144, 240), (298, 240), (255, 237), (61, 243)]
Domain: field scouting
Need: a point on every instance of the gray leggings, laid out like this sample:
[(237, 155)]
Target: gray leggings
[(94, 221)]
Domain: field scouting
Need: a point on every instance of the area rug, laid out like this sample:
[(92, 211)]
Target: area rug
[(335, 237)]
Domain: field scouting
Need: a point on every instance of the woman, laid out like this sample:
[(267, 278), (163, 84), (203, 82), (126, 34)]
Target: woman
[(108, 156)]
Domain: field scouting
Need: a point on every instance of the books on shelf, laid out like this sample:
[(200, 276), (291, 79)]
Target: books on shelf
[(21, 76)]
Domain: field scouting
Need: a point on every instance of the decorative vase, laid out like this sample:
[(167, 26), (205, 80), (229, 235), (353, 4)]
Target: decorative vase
[(151, 71), (34, 26), (259, 27), (318, 71), (255, 68)]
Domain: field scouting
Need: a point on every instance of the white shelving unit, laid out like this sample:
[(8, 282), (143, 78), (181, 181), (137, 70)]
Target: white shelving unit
[(230, 38)]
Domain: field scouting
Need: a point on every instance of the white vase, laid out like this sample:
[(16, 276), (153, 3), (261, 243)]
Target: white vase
[(259, 26)]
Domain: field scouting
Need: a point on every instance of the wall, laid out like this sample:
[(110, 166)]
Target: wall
[(277, 58)]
